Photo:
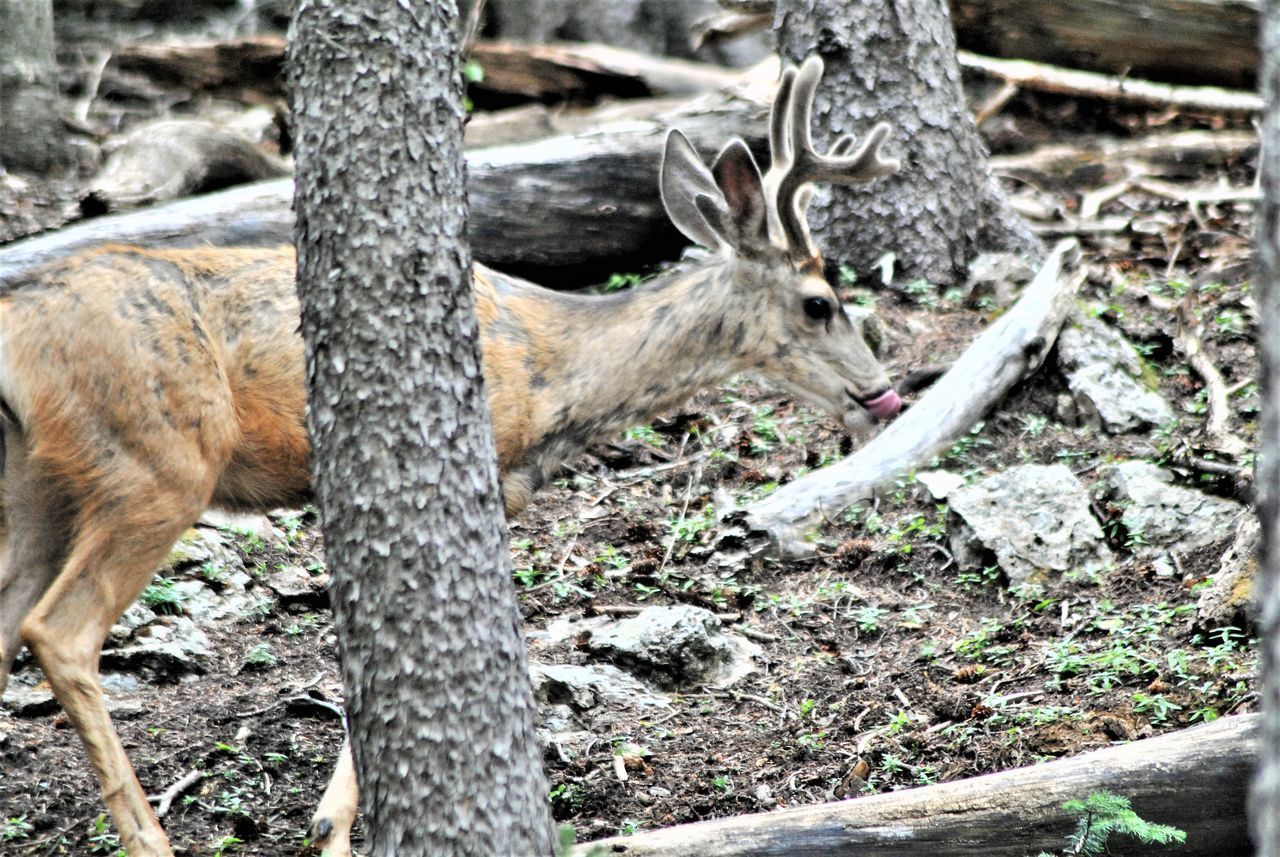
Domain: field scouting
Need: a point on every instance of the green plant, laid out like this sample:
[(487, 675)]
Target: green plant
[(566, 796), (619, 282), (645, 434), (102, 840), (162, 597), (922, 292), (721, 783), (260, 656), (15, 827), (1103, 814), (228, 844), (868, 618), (686, 529)]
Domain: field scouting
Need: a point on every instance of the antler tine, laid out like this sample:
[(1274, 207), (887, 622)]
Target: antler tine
[(779, 144), (801, 107), (805, 165)]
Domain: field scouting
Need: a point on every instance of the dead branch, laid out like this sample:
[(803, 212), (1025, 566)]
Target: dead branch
[(1196, 779), (164, 801), (172, 158), (1192, 347), (1008, 351), (1065, 81), (1182, 150)]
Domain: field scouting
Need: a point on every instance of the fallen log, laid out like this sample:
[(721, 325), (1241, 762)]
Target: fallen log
[(251, 69), (173, 158), (562, 211), (1006, 352), (1205, 42), (1195, 780), (1183, 152), (1124, 89)]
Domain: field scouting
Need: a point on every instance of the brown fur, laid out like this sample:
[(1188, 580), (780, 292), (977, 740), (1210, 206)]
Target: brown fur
[(141, 386)]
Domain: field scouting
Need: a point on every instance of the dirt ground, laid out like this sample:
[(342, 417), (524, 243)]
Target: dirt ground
[(884, 666)]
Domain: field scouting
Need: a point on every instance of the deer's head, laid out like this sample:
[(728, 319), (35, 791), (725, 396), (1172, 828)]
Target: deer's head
[(804, 340)]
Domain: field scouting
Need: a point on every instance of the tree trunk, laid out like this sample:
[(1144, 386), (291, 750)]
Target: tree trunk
[(438, 695), (31, 136), (896, 62), (1266, 796)]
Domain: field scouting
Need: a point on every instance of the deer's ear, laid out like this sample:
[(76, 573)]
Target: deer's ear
[(739, 181), (682, 180)]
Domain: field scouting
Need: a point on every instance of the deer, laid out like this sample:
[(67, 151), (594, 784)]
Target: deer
[(139, 387)]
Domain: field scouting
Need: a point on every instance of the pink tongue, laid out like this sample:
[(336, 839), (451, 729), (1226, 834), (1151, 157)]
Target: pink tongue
[(884, 406)]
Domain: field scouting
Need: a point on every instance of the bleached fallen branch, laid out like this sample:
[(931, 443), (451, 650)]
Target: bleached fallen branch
[(1185, 149), (1192, 347), (1008, 351), (1066, 81), (1195, 779)]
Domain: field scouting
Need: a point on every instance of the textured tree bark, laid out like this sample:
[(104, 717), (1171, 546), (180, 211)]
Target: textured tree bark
[(1265, 808), (896, 61), (441, 711), (31, 136)]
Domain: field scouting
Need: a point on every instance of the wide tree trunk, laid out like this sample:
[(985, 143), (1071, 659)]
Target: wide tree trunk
[(438, 695), (31, 135), (1266, 796), (896, 61)]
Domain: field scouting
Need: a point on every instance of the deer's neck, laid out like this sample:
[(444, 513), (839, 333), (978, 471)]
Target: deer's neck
[(602, 364)]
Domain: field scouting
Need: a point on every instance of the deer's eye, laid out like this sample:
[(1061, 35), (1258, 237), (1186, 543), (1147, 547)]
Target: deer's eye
[(818, 309)]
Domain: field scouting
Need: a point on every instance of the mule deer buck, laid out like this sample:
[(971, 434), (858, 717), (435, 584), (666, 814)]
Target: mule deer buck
[(140, 387)]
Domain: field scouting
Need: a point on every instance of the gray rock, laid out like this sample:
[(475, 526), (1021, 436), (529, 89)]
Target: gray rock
[(1031, 521), (940, 483), (1160, 516), (23, 701), (174, 645), (677, 646), (997, 276), (1088, 341), (1228, 602), (295, 585), (584, 687), (1108, 398), (256, 525), (1104, 374)]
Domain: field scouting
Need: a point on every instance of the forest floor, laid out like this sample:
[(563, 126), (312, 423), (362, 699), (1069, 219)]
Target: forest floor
[(883, 664)]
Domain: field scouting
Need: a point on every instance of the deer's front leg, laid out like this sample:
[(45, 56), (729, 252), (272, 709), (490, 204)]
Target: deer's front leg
[(331, 825)]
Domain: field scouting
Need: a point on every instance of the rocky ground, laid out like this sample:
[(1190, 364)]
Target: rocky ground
[(1043, 588)]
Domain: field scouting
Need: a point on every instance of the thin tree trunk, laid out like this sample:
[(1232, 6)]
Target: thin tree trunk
[(442, 716), (31, 134), (1266, 796), (896, 61)]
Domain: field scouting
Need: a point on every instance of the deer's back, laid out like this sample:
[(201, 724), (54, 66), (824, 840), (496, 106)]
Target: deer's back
[(123, 355)]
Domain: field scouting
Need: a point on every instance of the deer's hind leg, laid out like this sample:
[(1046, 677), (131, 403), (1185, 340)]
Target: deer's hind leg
[(131, 496), (34, 531)]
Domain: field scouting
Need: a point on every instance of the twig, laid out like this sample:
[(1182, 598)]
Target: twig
[(1091, 203), (1195, 197), (688, 494), (1047, 78), (642, 473), (93, 80), (165, 799), (1215, 388), (995, 103)]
